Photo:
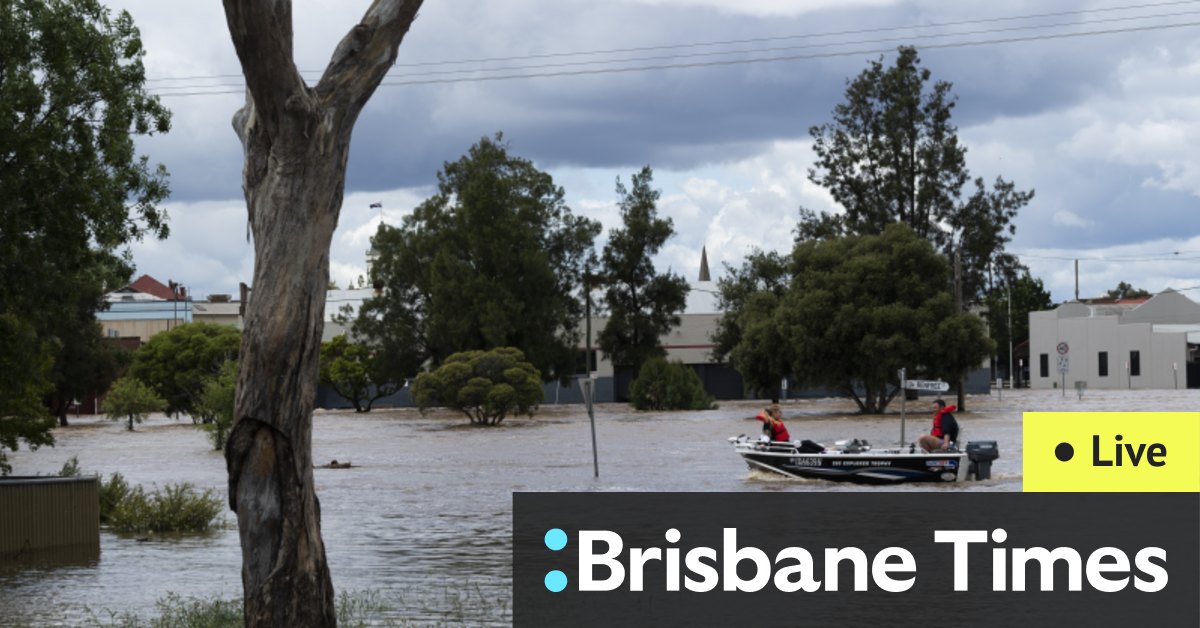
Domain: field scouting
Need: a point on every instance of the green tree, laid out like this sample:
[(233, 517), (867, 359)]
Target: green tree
[(495, 258), (891, 154), (1028, 295), (75, 189), (296, 141), (642, 304), (131, 399), (177, 363), (84, 362), (747, 297), (1127, 291), (216, 401), (358, 372), (24, 380), (486, 386), (663, 385), (862, 307)]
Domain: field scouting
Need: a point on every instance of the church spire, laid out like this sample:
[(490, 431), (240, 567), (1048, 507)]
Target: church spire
[(704, 276)]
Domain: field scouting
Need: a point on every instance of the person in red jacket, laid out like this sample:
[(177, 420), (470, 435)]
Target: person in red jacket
[(945, 428), (773, 427)]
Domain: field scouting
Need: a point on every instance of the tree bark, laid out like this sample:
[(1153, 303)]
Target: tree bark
[(296, 141)]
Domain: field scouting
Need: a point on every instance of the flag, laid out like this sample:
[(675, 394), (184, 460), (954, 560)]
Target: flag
[(377, 205)]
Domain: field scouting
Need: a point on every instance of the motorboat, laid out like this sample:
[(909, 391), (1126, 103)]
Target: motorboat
[(856, 461)]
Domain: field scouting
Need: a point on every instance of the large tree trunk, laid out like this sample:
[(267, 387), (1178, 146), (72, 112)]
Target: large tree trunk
[(296, 140)]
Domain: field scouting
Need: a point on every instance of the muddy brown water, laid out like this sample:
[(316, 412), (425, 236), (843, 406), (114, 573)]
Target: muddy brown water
[(424, 515)]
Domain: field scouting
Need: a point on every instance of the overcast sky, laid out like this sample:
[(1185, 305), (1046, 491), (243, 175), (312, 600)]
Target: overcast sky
[(1096, 109)]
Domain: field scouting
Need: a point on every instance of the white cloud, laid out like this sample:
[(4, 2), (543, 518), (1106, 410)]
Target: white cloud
[(1065, 218), (767, 8)]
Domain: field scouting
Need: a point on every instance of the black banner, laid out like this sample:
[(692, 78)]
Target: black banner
[(856, 559)]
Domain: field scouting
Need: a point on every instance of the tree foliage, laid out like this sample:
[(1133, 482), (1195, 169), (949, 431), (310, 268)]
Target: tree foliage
[(358, 372), (216, 401), (862, 307), (642, 304), (486, 386), (891, 154), (663, 385), (131, 399), (1127, 291), (495, 258), (74, 189), (178, 362), (747, 297)]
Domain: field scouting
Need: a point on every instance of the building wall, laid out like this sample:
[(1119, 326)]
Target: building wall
[(1161, 354)]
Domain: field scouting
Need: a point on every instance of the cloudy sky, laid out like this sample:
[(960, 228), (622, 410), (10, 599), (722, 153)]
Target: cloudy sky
[(1095, 105)]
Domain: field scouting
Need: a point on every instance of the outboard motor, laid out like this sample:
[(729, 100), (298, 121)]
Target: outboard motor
[(982, 453)]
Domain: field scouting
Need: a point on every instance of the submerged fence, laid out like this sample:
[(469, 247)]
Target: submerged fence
[(49, 516)]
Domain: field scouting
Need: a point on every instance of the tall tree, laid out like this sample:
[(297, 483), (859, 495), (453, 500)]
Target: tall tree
[(74, 188), (862, 307), (495, 258), (747, 297), (296, 140), (642, 303), (891, 154)]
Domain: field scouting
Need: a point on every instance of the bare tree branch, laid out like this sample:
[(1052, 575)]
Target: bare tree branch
[(262, 35), (364, 57)]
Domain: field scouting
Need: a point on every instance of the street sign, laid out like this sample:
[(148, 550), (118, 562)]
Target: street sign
[(1064, 364), (927, 384), (1063, 348)]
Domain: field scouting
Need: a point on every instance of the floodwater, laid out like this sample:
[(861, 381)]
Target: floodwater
[(424, 517)]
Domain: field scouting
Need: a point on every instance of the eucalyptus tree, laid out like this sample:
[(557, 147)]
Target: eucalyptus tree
[(642, 303), (296, 140)]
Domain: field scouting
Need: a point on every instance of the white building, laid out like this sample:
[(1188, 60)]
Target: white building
[(1153, 343)]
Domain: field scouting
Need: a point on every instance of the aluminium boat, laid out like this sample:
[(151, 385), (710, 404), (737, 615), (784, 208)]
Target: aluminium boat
[(857, 461)]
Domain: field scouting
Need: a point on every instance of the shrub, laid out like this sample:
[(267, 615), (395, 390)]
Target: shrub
[(112, 493), (662, 385), (484, 385), (174, 508)]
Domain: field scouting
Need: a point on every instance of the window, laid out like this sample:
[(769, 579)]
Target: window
[(1135, 363), (1044, 364), (1103, 362)]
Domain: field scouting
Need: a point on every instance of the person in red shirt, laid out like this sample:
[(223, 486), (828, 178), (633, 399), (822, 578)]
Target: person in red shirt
[(773, 427), (945, 428)]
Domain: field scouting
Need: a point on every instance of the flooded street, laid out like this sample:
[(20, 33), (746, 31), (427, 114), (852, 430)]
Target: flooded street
[(424, 516)]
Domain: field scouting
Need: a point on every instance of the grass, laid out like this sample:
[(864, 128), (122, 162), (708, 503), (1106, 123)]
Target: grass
[(454, 607)]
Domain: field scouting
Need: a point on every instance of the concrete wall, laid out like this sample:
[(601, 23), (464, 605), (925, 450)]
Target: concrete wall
[(1161, 354)]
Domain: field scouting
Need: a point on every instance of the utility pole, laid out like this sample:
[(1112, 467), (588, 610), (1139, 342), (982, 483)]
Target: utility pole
[(1076, 280), (1012, 382), (958, 304)]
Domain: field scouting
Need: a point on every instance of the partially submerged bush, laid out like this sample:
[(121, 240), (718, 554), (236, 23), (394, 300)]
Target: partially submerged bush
[(662, 385), (174, 508), (484, 385), (112, 493)]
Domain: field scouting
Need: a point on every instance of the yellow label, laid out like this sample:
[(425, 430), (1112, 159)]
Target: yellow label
[(1125, 452)]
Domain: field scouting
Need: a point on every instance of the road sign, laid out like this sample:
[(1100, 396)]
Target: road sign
[(1064, 364), (927, 384), (1063, 348)]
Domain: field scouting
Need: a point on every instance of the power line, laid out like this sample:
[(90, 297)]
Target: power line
[(227, 88), (221, 90), (750, 40)]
